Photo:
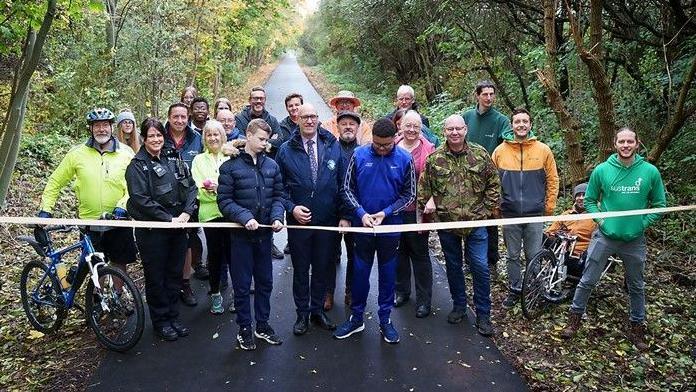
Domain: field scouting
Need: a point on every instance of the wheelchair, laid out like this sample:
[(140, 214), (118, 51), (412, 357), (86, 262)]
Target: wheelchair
[(551, 276)]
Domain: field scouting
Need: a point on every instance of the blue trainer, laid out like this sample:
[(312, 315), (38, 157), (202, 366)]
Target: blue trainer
[(389, 332), (348, 328)]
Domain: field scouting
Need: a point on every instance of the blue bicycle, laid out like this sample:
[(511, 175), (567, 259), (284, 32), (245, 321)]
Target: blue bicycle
[(113, 305)]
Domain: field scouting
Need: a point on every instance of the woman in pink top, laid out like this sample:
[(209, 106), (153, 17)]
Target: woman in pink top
[(413, 248)]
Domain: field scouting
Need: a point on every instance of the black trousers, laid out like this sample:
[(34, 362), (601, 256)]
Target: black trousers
[(310, 249), (163, 252), (218, 241), (350, 256), (413, 251)]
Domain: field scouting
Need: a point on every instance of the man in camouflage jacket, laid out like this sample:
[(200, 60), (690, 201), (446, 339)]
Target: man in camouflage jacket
[(460, 183)]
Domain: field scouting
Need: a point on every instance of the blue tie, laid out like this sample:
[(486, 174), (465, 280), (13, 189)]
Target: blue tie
[(312, 160)]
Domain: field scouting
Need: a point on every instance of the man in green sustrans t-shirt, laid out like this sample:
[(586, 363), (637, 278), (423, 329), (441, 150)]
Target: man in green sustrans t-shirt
[(485, 127)]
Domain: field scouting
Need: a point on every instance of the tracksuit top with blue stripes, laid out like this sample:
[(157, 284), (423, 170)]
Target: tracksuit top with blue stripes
[(375, 183)]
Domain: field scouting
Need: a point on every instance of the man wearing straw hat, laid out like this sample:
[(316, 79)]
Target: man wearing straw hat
[(347, 101)]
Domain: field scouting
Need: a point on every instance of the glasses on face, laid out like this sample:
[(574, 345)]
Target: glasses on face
[(258, 99), (404, 99), (309, 117), (411, 127), (383, 146), (452, 129)]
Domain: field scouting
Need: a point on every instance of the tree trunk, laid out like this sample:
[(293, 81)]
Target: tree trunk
[(594, 60), (670, 130), (16, 109), (569, 124)]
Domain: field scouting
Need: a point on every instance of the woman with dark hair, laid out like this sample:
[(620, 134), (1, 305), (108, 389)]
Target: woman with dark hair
[(161, 188), (221, 104), (396, 119)]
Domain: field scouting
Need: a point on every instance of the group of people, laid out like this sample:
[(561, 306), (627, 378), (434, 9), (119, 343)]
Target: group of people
[(259, 172)]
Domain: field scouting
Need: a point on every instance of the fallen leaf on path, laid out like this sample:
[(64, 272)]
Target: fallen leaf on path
[(34, 334), (215, 335)]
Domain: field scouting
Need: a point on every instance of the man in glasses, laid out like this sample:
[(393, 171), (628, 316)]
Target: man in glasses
[(380, 182)]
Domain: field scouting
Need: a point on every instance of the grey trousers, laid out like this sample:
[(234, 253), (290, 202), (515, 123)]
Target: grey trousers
[(516, 237), (632, 254)]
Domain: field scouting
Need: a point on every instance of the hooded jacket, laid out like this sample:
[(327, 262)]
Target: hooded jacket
[(375, 183), (528, 176), (100, 182), (248, 190), (322, 198), (615, 187)]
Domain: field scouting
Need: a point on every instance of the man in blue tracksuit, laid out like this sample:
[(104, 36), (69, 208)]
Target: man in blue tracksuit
[(380, 182), (310, 163)]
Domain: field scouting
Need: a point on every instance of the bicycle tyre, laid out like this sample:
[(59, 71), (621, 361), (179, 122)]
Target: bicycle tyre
[(536, 275), (121, 326), (51, 294)]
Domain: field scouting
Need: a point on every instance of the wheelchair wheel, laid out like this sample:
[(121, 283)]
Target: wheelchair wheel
[(115, 312), (42, 297), (537, 276)]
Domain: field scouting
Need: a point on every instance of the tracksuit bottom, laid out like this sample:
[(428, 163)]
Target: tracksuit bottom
[(387, 249), (251, 258), (163, 252)]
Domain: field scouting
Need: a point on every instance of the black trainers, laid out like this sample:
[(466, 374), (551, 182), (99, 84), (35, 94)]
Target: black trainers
[(187, 296), (200, 272), (511, 300), (456, 315), (265, 332), (246, 339), (277, 253), (484, 326)]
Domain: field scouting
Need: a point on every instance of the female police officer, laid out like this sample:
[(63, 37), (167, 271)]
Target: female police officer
[(161, 189)]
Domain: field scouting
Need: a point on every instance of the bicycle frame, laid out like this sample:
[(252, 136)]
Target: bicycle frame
[(86, 257)]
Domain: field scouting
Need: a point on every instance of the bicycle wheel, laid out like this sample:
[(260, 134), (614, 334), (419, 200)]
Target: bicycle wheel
[(537, 275), (42, 297), (115, 312)]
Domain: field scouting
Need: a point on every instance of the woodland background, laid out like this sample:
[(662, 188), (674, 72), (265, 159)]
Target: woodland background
[(583, 68)]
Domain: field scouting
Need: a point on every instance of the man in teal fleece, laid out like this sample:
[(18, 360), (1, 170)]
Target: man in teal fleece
[(624, 182), (486, 127)]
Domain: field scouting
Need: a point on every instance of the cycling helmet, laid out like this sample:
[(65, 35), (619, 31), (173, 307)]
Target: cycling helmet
[(581, 188), (100, 114)]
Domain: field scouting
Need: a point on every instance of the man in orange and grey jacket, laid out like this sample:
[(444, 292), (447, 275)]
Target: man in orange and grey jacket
[(529, 183)]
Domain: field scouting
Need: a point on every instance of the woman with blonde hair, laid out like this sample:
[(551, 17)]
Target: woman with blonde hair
[(205, 169), (220, 104), (127, 135)]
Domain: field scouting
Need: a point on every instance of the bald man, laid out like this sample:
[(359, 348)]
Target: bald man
[(311, 165), (460, 183)]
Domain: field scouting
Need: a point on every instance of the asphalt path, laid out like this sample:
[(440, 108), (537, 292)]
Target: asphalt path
[(432, 355)]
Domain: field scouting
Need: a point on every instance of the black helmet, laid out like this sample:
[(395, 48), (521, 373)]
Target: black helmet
[(100, 114)]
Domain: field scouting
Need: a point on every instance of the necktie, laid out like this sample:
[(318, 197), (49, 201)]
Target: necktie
[(312, 160)]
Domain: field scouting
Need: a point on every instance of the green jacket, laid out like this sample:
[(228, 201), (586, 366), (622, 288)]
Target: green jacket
[(615, 187), (486, 129), (207, 166), (465, 186), (100, 182)]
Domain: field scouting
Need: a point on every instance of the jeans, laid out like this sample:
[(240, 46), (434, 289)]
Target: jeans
[(476, 248), (386, 248), (413, 249), (632, 254), (528, 236), (251, 259)]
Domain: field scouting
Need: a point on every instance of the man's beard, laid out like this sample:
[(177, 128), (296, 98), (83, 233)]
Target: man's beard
[(102, 139)]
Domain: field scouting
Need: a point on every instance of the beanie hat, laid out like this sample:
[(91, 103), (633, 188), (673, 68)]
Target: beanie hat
[(580, 188), (125, 115)]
